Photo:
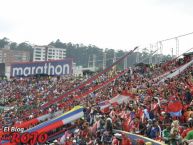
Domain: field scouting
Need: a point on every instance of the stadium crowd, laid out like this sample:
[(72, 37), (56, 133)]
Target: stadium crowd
[(148, 114), (26, 95), (158, 110)]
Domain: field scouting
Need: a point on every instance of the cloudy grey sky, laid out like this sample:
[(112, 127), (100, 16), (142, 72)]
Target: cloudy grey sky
[(118, 24)]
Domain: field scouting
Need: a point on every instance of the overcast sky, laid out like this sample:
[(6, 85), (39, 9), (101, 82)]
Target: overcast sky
[(118, 24)]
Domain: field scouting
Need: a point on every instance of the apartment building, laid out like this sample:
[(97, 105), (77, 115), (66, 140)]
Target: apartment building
[(9, 56), (46, 53)]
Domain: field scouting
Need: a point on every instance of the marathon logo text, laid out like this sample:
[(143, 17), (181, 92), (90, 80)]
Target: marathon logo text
[(57, 68)]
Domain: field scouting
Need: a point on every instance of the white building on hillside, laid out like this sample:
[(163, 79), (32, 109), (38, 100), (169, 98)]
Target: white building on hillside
[(45, 53)]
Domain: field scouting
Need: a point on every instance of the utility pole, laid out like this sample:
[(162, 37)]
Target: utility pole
[(94, 62), (114, 58), (150, 57), (160, 50), (104, 60), (137, 57), (177, 46), (157, 54), (125, 61), (89, 61)]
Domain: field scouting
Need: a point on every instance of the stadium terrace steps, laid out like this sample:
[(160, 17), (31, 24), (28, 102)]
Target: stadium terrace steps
[(88, 81), (84, 83)]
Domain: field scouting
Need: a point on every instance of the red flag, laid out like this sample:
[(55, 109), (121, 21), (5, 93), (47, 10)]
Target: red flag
[(174, 106)]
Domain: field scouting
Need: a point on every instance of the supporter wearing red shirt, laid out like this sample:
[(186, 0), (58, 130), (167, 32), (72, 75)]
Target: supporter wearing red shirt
[(125, 124), (140, 142), (154, 106), (187, 114), (164, 107), (140, 112), (125, 140), (149, 92), (185, 132), (190, 127), (115, 141), (69, 142), (186, 106), (85, 132), (134, 125)]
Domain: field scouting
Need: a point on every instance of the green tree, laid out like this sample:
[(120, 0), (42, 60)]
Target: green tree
[(3, 42), (58, 44), (24, 47), (13, 45)]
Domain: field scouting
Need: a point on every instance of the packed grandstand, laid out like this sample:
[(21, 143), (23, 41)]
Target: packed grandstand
[(144, 104)]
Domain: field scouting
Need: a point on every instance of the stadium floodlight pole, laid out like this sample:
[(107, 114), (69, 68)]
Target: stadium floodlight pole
[(114, 57), (94, 62), (161, 50), (88, 81), (137, 58), (89, 61), (125, 61), (177, 46), (104, 60), (172, 53), (148, 56)]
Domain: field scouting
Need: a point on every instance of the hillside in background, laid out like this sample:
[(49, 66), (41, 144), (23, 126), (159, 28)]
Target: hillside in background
[(83, 55)]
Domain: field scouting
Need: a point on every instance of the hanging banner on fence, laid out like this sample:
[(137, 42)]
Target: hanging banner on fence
[(56, 68)]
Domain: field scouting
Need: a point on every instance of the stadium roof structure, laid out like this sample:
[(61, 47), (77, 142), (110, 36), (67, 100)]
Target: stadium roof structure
[(188, 53)]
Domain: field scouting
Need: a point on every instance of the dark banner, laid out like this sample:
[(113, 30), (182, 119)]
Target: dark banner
[(2, 69), (56, 68)]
